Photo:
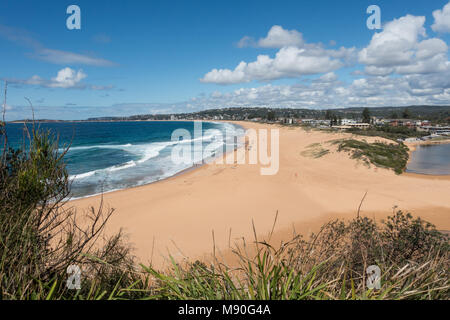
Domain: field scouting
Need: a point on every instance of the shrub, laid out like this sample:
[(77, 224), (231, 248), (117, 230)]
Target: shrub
[(393, 155), (332, 264), (40, 236)]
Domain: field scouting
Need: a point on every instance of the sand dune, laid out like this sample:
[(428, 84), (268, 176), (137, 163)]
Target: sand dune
[(178, 215)]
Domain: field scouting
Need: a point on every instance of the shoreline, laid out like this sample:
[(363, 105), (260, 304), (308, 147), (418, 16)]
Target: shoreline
[(137, 186), (81, 121), (412, 147), (194, 167), (179, 215)]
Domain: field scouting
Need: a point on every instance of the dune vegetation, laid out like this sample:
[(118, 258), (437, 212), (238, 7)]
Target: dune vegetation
[(386, 155)]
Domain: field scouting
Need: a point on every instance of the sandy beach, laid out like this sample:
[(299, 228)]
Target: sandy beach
[(180, 214)]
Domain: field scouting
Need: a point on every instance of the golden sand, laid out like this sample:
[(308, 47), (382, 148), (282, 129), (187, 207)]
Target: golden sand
[(180, 214)]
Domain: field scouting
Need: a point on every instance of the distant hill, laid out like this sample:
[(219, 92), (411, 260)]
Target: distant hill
[(422, 112), (425, 112)]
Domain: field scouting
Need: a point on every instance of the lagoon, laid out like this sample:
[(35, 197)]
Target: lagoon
[(433, 159)]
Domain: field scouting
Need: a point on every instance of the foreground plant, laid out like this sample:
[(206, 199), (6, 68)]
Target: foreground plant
[(39, 235), (332, 264)]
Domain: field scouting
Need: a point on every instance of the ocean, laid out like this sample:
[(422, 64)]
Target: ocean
[(107, 156), (431, 159)]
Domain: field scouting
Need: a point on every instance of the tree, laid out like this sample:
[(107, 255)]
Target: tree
[(366, 115), (406, 114), (334, 121), (271, 116)]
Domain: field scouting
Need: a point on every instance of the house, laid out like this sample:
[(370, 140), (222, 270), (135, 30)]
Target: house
[(346, 122), (342, 127), (307, 121), (436, 130), (393, 123), (379, 122), (359, 125), (406, 123)]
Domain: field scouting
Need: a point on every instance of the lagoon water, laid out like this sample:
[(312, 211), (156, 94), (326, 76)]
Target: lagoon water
[(431, 159), (106, 156)]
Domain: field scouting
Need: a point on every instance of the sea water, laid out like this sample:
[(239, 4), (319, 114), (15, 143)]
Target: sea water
[(107, 156)]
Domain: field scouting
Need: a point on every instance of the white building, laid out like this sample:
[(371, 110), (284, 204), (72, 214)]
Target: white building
[(359, 125), (346, 122)]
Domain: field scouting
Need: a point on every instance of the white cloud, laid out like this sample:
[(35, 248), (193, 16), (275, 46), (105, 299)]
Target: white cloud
[(65, 57), (328, 77), (246, 41), (277, 37), (6, 107), (67, 78), (402, 66), (327, 91), (324, 92), (295, 58), (296, 61), (394, 45), (23, 38), (442, 19), (288, 62), (399, 48)]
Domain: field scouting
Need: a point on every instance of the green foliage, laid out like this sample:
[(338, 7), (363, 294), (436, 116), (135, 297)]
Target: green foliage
[(39, 236), (315, 151), (438, 114), (411, 239), (406, 114), (389, 132), (270, 116), (330, 265), (366, 115), (394, 156)]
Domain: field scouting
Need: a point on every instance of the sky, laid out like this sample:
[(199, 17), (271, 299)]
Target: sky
[(145, 57)]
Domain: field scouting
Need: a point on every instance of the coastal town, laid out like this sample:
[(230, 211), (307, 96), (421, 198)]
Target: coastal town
[(415, 123)]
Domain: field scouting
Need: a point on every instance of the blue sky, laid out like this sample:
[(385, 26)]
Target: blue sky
[(133, 57)]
